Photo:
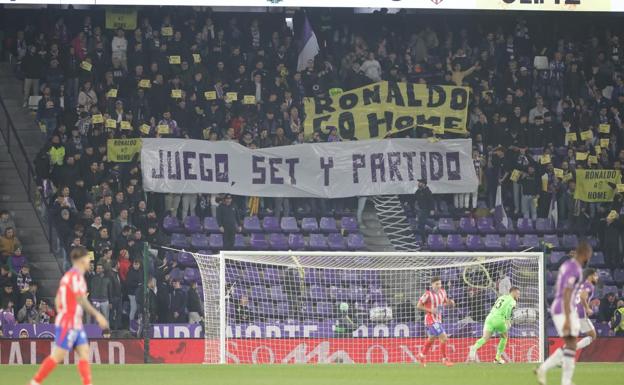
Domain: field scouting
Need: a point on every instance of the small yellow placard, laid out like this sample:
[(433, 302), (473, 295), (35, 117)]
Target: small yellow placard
[(581, 155), (231, 97), (145, 129), (163, 129), (604, 142), (175, 59), (571, 136), (567, 177), (85, 65), (112, 93), (558, 172), (587, 135), (97, 118), (166, 31), (210, 95), (249, 99), (145, 83), (545, 159), (111, 123), (597, 149), (196, 58), (125, 125), (620, 187), (604, 128), (592, 159), (515, 175), (176, 94)]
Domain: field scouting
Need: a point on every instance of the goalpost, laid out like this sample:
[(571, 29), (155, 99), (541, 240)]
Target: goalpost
[(360, 307)]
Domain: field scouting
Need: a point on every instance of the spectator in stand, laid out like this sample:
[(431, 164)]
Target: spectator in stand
[(8, 244), (32, 66), (43, 313), (194, 304), (178, 310), (607, 307), (115, 296), (613, 227), (100, 291), (617, 322), (17, 260), (5, 221), (227, 218), (426, 205), (23, 281), (28, 313), (7, 295), (133, 280), (152, 301), (530, 185), (6, 277)]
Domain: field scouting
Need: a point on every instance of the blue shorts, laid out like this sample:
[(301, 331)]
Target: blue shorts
[(435, 329), (68, 339)]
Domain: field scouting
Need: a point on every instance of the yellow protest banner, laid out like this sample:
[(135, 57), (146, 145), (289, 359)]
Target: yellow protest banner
[(558, 173), (210, 95), (111, 123), (515, 175), (123, 150), (571, 136), (545, 159), (120, 17), (175, 59), (438, 130), (592, 159), (593, 185), (620, 187), (176, 94), (249, 99), (581, 155), (145, 129), (97, 118), (335, 91), (587, 135), (125, 125), (196, 58), (231, 97), (604, 142), (166, 31), (163, 129), (112, 93), (85, 65), (145, 83), (383, 108), (604, 128)]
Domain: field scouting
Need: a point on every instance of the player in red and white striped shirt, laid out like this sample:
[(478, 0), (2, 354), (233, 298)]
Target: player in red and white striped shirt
[(430, 303), (71, 300)]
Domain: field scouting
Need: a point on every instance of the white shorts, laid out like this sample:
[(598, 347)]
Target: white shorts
[(575, 325), (586, 325)]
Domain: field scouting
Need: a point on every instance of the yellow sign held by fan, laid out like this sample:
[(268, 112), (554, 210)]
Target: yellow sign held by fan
[(112, 93), (210, 95), (85, 65), (111, 123), (176, 94), (196, 58), (249, 99), (97, 118), (163, 129), (166, 31), (587, 135), (604, 128), (545, 159), (558, 173), (145, 83), (125, 125), (145, 129), (571, 136), (581, 155), (231, 97), (175, 59), (515, 175)]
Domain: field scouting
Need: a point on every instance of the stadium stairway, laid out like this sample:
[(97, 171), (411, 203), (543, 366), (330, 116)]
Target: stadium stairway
[(45, 268)]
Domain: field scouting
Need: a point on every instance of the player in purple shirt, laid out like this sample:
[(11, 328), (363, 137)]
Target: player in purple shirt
[(585, 294), (565, 316)]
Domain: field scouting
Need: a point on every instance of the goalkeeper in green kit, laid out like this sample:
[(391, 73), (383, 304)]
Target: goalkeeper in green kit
[(498, 321)]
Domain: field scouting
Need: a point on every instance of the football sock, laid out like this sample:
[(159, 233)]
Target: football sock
[(47, 366), (427, 346), (443, 349), (553, 360), (85, 371), (501, 346), (568, 366), (584, 342), (480, 342)]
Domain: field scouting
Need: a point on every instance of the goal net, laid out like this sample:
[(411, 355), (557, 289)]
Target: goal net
[(327, 307)]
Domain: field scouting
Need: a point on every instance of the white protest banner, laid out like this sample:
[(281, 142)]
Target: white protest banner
[(321, 170)]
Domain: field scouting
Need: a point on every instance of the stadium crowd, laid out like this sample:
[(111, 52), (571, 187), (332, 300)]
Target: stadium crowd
[(521, 110)]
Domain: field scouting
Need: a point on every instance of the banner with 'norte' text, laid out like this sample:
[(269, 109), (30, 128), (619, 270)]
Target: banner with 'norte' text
[(319, 170), (596, 185), (383, 108)]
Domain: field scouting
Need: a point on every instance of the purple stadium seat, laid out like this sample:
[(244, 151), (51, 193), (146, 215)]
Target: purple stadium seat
[(467, 225), (357, 293), (435, 242), (252, 225), (271, 225), (349, 224), (339, 293), (278, 241), (451, 274), (350, 276), (569, 241), (446, 225), (289, 225), (530, 240), (552, 239), (309, 225), (544, 226), (251, 276), (179, 241), (311, 277), (271, 275), (317, 293), (215, 241), (277, 293), (232, 274), (355, 242), (176, 274), (258, 242), (618, 276), (191, 275), (551, 277), (485, 225), (455, 242), (493, 242), (512, 242), (192, 224), (211, 225), (186, 259), (525, 225), (282, 309), (607, 289), (171, 224), (473, 242), (605, 277), (602, 329), (328, 225), (200, 241), (556, 258), (296, 241), (317, 242), (336, 242), (324, 309), (331, 277), (239, 242)]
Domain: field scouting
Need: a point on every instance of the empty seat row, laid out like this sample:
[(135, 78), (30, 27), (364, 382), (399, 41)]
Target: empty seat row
[(495, 242), (487, 225)]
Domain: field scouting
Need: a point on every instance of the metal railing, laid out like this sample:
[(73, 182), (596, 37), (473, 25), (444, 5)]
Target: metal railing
[(26, 172)]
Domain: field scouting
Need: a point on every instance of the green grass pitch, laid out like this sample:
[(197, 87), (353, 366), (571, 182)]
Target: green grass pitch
[(334, 374)]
